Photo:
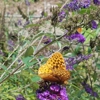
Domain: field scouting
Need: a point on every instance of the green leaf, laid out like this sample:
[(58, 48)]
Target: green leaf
[(59, 44), (98, 66), (50, 35), (4, 67), (75, 65), (93, 7), (98, 86), (38, 35), (80, 93), (82, 11), (94, 76), (29, 51), (28, 65), (89, 34), (77, 49), (36, 78), (98, 31), (26, 60), (89, 50)]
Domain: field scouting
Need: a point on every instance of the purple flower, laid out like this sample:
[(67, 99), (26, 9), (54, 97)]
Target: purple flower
[(70, 62), (84, 3), (69, 67), (20, 97), (19, 23), (55, 88), (64, 94), (77, 36), (73, 5), (19, 62), (77, 4), (46, 40), (52, 91), (96, 2), (61, 15), (89, 89), (93, 24), (95, 94), (27, 2)]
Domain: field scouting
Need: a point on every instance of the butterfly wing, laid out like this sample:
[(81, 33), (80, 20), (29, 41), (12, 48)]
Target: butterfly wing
[(55, 69), (46, 73), (56, 60), (61, 74), (79, 30)]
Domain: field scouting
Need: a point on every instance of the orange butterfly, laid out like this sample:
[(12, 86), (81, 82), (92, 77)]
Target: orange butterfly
[(55, 69), (79, 30)]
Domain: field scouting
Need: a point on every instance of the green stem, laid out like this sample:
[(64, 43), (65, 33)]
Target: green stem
[(75, 86)]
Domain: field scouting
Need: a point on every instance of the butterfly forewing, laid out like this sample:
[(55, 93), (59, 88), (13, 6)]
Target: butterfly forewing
[(56, 60)]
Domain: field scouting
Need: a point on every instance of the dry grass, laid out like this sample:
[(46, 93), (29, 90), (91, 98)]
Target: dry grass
[(11, 6)]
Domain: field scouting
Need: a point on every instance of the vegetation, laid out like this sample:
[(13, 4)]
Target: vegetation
[(26, 44)]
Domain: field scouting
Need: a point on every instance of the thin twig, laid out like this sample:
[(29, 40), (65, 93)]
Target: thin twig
[(39, 44), (13, 63), (11, 54)]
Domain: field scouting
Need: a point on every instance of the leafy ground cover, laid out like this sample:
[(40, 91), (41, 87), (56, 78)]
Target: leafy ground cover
[(52, 56)]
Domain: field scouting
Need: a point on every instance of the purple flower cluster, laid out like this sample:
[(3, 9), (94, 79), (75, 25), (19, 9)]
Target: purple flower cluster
[(93, 24), (61, 15), (89, 89), (75, 60), (20, 97), (19, 23), (77, 36), (96, 2), (77, 4), (72, 6), (84, 3), (52, 91)]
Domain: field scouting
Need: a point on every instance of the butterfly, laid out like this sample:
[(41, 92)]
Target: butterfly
[(54, 70), (79, 30)]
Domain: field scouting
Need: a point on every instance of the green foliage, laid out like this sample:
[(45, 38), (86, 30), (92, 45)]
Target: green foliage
[(29, 51), (20, 59)]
